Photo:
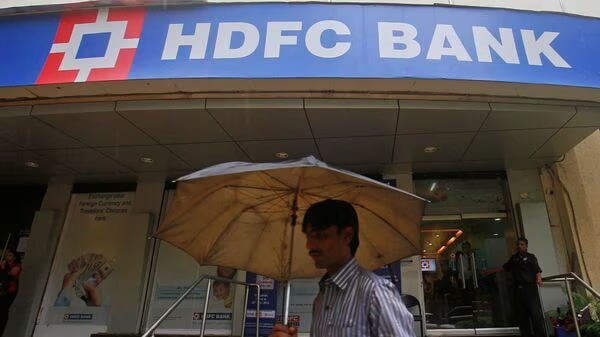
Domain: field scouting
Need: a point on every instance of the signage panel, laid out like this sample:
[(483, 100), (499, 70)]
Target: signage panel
[(300, 40)]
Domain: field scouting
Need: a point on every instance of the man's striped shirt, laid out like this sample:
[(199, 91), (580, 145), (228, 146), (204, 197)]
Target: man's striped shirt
[(357, 303)]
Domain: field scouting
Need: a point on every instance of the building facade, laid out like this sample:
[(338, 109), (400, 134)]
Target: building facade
[(488, 110)]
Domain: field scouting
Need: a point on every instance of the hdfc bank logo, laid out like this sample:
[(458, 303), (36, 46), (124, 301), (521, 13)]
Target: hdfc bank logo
[(93, 45)]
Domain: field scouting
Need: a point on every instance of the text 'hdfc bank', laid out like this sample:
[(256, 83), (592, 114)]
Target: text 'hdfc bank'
[(396, 40)]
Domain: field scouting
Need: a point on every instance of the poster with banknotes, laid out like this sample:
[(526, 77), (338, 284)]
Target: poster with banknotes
[(97, 275)]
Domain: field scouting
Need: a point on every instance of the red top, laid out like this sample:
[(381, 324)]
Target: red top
[(14, 270)]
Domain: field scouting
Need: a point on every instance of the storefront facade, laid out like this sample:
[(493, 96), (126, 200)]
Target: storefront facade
[(461, 105)]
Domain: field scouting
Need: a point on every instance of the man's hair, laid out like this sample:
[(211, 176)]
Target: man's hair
[(338, 213), (522, 238)]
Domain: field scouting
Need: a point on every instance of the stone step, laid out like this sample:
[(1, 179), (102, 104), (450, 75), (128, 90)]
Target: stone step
[(139, 335)]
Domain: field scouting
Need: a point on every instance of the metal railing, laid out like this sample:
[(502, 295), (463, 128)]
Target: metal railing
[(150, 331), (567, 279)]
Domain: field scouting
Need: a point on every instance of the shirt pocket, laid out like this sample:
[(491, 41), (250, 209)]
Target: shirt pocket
[(345, 328)]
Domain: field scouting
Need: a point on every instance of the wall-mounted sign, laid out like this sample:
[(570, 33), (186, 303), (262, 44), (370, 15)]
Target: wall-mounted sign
[(428, 265), (279, 40)]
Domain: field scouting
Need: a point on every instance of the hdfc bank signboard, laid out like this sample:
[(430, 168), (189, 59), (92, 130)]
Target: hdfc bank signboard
[(300, 41)]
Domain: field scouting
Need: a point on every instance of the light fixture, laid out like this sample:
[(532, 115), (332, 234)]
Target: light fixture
[(282, 155), (430, 149), (495, 234), (146, 160), (498, 219), (452, 239), (433, 186), (431, 244), (424, 251), (441, 249), (437, 235), (32, 164), (459, 233)]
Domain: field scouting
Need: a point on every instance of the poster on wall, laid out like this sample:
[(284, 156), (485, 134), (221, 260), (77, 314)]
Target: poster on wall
[(302, 295), (97, 272), (175, 272), (189, 314), (268, 305)]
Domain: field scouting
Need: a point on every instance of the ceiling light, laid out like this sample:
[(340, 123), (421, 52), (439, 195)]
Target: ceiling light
[(437, 235), (498, 219), (32, 164), (433, 186), (430, 149), (424, 251), (495, 234), (441, 249), (282, 155), (146, 160)]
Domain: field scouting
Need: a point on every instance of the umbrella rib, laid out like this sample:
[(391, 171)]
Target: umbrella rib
[(372, 245), (343, 182), (288, 187), (277, 180), (231, 222), (257, 188), (239, 214), (334, 196), (208, 195), (384, 221), (262, 232)]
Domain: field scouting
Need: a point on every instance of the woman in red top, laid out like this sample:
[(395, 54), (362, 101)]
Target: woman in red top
[(10, 269)]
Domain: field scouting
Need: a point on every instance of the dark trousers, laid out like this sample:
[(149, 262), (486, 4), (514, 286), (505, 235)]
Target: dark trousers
[(529, 311), (5, 302)]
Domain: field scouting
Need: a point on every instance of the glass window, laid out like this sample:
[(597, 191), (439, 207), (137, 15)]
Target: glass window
[(457, 196)]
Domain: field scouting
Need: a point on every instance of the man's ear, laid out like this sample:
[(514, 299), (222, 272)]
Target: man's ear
[(348, 233)]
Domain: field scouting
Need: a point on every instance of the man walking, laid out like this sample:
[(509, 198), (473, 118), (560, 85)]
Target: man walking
[(351, 301), (527, 275)]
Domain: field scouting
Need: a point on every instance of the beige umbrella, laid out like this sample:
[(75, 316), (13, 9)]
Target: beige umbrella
[(244, 216)]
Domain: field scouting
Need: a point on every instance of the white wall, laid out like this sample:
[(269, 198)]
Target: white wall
[(526, 192)]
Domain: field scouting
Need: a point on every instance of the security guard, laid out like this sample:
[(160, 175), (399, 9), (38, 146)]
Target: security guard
[(527, 275)]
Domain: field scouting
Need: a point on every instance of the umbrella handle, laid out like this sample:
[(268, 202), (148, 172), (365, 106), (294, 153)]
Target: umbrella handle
[(286, 303)]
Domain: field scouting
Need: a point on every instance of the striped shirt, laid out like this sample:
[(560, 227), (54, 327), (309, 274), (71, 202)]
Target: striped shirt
[(357, 303)]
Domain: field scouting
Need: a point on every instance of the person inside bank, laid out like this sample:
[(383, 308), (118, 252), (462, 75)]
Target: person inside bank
[(10, 270), (351, 300), (527, 276)]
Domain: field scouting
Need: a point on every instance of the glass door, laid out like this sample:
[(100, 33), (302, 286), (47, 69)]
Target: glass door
[(465, 289)]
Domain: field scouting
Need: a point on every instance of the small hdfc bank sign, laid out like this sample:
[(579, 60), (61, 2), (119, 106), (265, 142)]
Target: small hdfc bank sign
[(93, 45), (427, 264)]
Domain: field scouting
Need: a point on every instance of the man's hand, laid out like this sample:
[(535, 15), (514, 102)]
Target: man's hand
[(284, 331), (538, 279)]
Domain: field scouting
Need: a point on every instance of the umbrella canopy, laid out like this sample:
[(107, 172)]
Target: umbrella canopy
[(241, 215)]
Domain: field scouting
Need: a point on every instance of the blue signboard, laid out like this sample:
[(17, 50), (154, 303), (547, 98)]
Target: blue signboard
[(308, 40), (391, 272), (268, 305)]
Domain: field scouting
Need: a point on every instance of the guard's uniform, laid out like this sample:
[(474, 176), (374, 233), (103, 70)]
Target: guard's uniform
[(529, 310)]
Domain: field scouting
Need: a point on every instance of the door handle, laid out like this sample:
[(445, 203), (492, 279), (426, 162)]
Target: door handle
[(475, 282), (462, 270)]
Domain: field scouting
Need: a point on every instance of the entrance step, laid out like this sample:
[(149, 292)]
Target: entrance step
[(139, 335)]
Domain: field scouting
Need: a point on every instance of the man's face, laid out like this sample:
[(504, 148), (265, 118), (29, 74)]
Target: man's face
[(521, 247), (9, 256), (328, 248)]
